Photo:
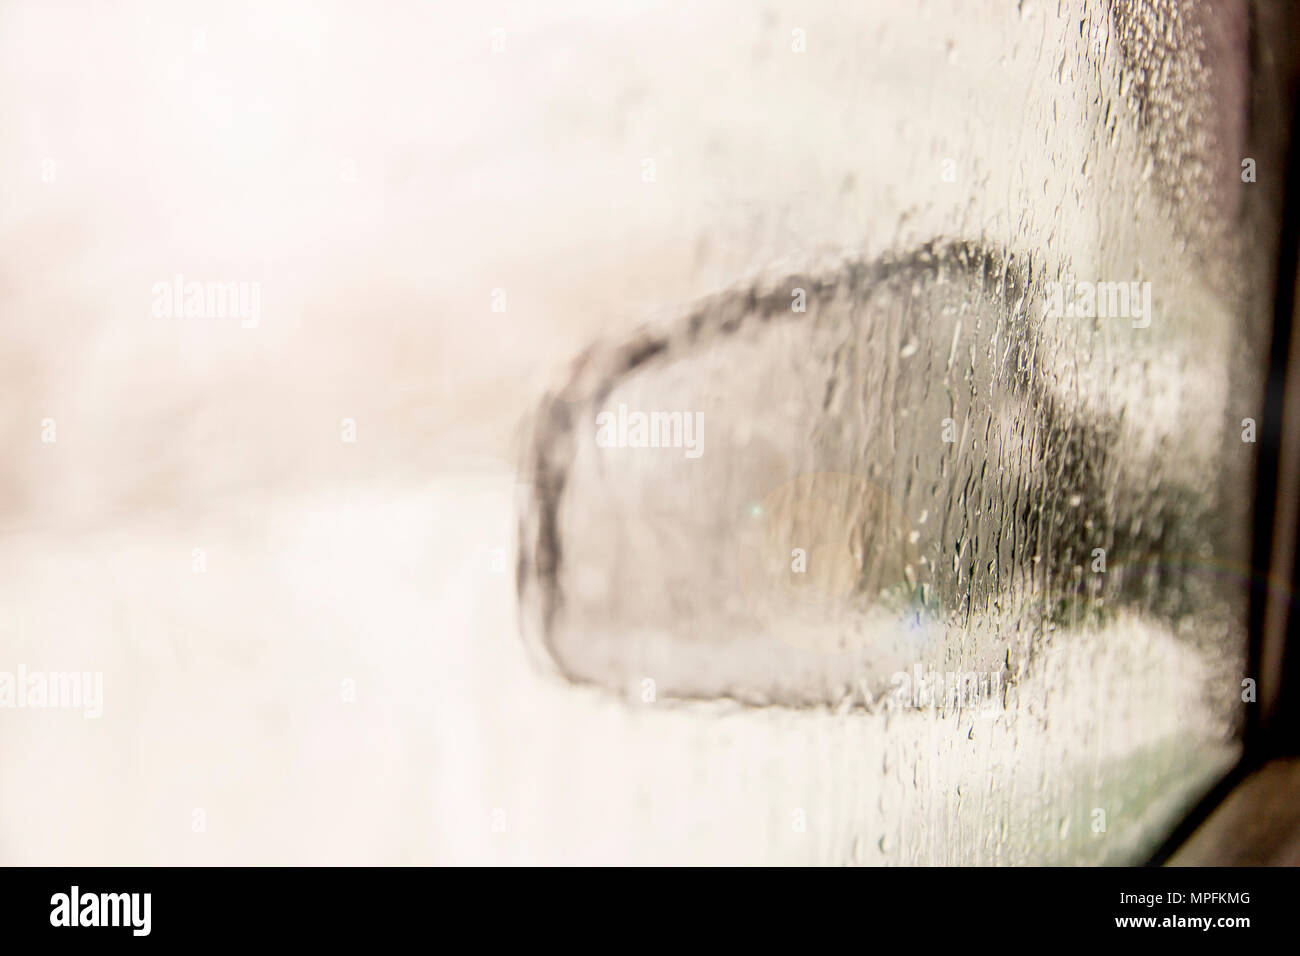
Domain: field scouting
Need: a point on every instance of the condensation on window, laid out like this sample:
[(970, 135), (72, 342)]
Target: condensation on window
[(959, 515)]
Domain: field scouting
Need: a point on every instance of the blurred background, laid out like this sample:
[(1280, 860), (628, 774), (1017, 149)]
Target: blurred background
[(363, 587)]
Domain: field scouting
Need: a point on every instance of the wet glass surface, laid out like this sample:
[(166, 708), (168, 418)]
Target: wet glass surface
[(814, 242), (1010, 470)]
